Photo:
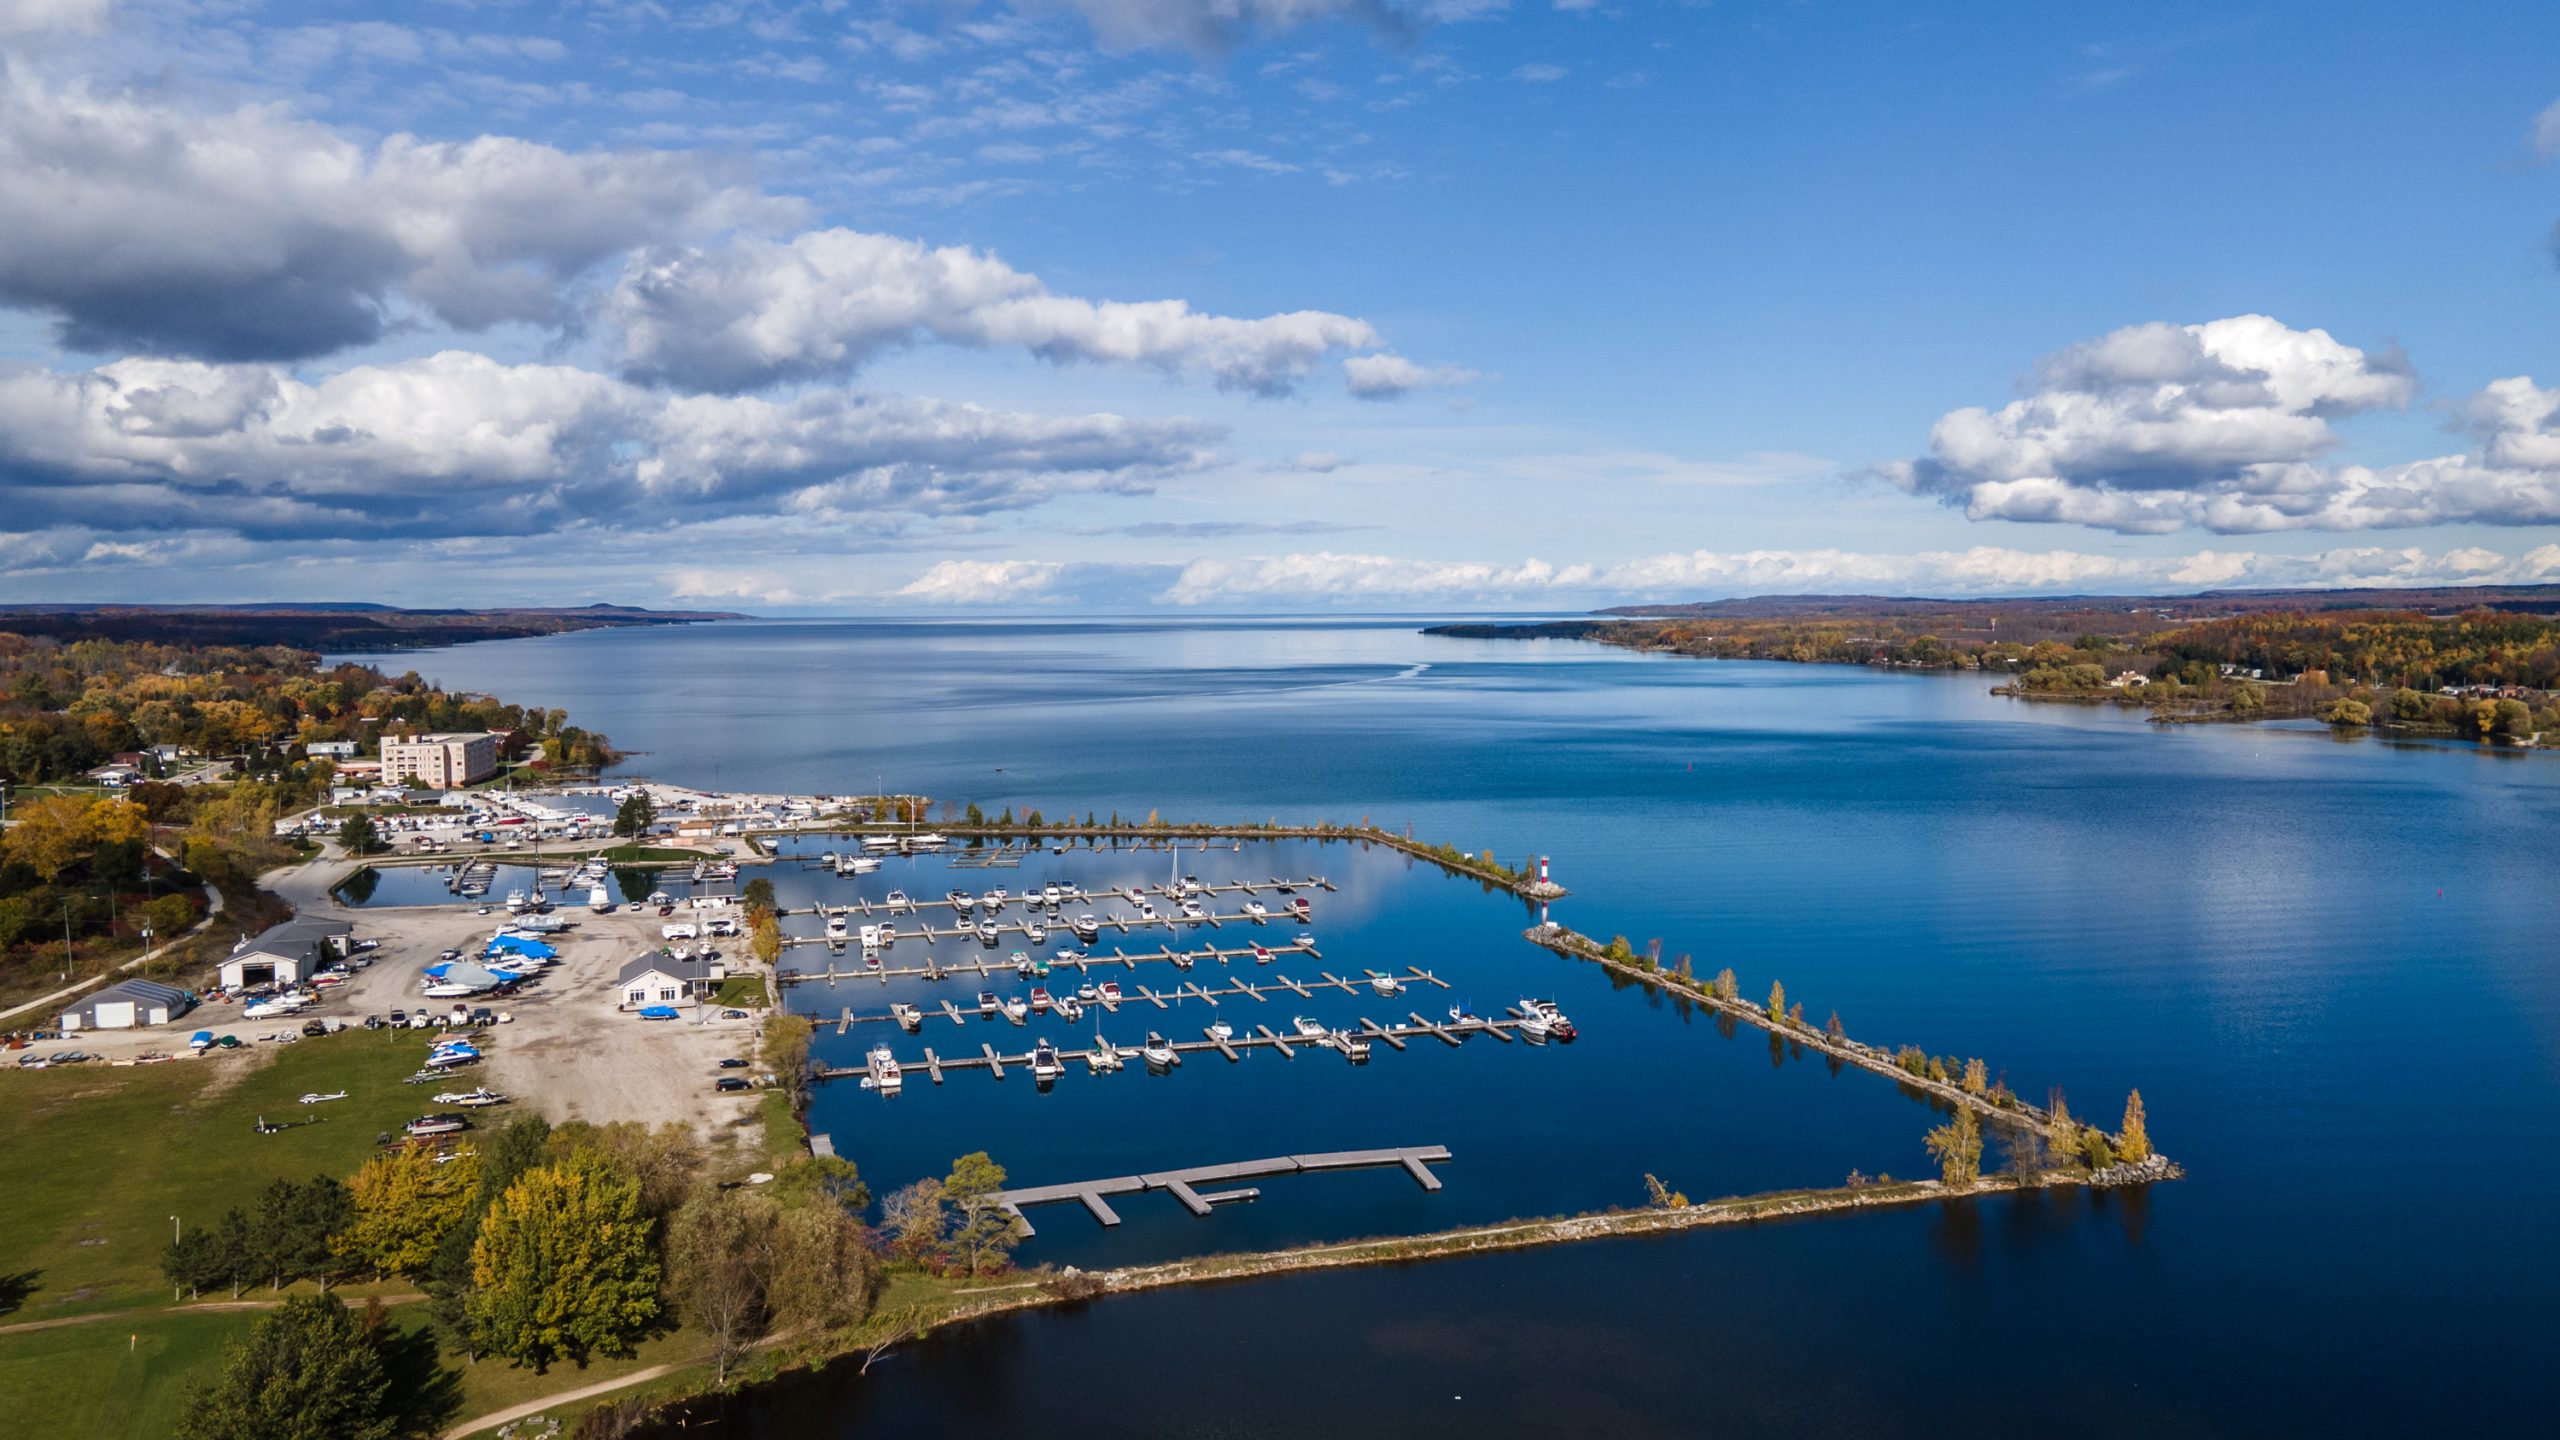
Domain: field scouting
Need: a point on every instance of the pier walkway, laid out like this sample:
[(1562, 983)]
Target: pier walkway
[(1351, 1044), (1184, 1185), (986, 968)]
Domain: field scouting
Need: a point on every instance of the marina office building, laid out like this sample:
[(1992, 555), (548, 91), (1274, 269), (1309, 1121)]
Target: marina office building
[(439, 762)]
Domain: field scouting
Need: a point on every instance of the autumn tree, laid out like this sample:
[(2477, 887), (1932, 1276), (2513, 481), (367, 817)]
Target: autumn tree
[(916, 1220), (766, 940), (309, 1370), (405, 1203), (2064, 1130), (50, 835), (563, 1267), (2133, 1142), (823, 1274), (1777, 1003), (1957, 1146), (1726, 986), (719, 1250)]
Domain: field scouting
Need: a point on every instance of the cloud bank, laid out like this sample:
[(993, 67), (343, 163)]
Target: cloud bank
[(2224, 427), (459, 444)]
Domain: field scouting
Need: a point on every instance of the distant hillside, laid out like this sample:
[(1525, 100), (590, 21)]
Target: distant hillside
[(352, 626), (2209, 604)]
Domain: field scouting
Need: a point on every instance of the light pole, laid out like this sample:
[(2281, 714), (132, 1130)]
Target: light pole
[(177, 1291)]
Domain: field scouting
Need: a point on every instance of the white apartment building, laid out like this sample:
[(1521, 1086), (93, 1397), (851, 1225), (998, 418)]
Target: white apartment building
[(439, 762)]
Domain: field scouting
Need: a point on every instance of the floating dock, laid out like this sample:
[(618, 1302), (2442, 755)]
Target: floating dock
[(983, 967), (912, 1018), (1351, 1044), (1183, 1185)]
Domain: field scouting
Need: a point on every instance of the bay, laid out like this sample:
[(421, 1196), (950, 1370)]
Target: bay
[(2327, 964)]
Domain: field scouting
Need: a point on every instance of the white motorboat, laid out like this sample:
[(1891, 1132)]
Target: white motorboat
[(1068, 1008), (599, 901), (1086, 928), (897, 900), (837, 927), (1257, 909), (1017, 1009), (1036, 933), (1385, 984), (1533, 1025), (1222, 1030), (885, 1073), (515, 901), (1307, 1028), (1158, 1051), (1044, 1062)]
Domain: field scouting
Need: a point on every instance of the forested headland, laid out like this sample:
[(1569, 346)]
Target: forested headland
[(2482, 673)]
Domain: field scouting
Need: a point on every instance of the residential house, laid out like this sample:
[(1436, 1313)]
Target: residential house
[(663, 979)]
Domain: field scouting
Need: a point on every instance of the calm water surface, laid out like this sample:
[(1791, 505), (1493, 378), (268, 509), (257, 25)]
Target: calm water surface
[(2327, 964)]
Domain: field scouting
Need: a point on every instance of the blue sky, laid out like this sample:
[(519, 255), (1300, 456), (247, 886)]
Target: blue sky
[(1291, 304)]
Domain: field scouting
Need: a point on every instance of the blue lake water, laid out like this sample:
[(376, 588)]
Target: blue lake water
[(2329, 965)]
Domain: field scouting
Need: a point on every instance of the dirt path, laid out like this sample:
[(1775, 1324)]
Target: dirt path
[(27, 1326)]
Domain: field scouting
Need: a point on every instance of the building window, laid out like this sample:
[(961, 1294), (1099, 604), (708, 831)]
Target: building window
[(639, 997)]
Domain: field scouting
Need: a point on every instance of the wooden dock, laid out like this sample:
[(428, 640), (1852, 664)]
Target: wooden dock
[(1163, 1000), (1183, 1185), (979, 964), (1234, 1048)]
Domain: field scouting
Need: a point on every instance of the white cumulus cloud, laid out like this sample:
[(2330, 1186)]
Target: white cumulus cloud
[(2226, 427), (458, 443), (980, 582), (1391, 376), (757, 311), (252, 234)]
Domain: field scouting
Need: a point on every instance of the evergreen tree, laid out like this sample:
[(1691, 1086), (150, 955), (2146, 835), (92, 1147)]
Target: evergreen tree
[(308, 1371), (1777, 1003), (358, 835), (635, 815)]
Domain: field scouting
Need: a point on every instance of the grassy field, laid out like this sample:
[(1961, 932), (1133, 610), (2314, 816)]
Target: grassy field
[(99, 1159), (111, 1380)]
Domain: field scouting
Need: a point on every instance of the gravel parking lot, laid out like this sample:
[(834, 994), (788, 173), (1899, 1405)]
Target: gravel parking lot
[(567, 1052)]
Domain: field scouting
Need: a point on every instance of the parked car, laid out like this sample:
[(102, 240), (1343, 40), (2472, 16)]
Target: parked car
[(314, 1027), (731, 1082), (733, 1063), (373, 1022), (733, 1014)]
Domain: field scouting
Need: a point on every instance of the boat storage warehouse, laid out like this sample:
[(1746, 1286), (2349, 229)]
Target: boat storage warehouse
[(286, 954), (126, 1004)]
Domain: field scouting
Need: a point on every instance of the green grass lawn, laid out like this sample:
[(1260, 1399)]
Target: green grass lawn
[(741, 990), (98, 1159), (112, 1379)]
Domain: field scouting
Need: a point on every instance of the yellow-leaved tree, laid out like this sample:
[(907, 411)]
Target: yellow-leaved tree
[(565, 1266), (405, 1204)]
